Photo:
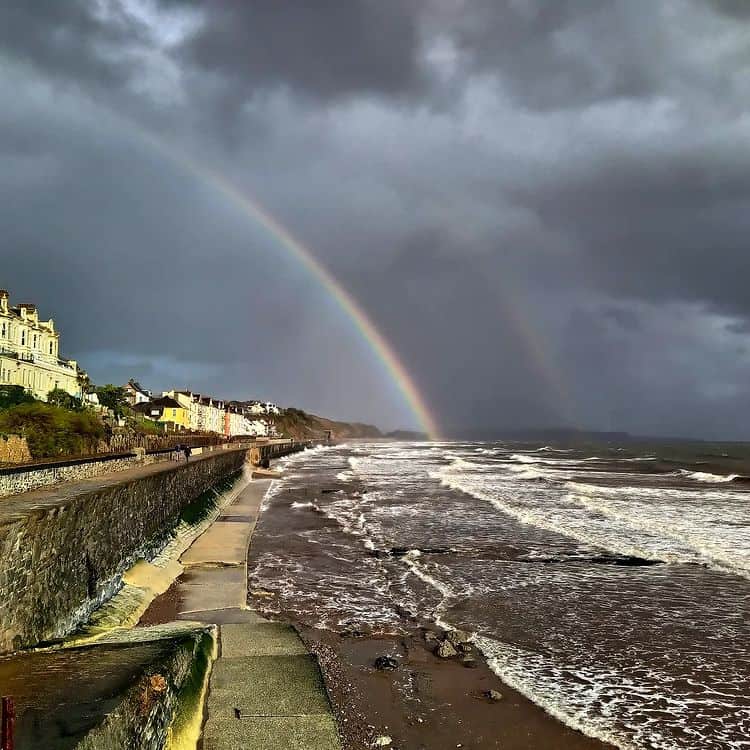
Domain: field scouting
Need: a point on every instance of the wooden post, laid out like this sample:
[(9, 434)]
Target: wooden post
[(8, 724)]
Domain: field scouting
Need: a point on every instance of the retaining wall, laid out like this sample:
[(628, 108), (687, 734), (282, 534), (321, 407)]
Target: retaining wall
[(14, 449), (63, 550), (17, 479)]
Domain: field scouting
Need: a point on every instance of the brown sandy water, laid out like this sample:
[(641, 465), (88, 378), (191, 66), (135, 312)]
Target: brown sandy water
[(608, 587)]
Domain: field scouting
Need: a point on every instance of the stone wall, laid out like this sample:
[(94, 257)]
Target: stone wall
[(63, 550), (17, 479), (13, 450)]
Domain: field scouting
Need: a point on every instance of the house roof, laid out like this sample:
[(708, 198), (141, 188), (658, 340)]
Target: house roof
[(165, 402), (136, 386)]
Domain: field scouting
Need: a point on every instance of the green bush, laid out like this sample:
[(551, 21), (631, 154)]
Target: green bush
[(51, 431), (12, 395), (61, 398)]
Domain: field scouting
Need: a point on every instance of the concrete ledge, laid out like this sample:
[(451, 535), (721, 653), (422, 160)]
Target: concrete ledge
[(263, 639)]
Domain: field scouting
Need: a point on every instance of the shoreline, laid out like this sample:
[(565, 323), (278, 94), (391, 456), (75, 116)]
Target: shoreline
[(426, 702), (429, 703)]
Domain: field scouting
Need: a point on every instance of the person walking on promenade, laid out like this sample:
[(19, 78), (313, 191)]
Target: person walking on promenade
[(186, 451), (177, 451)]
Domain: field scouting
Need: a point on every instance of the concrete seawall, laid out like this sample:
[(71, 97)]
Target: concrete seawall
[(63, 549)]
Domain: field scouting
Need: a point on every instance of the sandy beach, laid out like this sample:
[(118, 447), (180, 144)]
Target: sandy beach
[(428, 703)]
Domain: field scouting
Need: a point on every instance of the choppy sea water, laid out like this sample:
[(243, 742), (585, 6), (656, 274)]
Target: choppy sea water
[(610, 585)]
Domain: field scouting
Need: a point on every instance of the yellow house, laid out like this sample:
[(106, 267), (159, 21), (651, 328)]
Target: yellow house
[(167, 411)]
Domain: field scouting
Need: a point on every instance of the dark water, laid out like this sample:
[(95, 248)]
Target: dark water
[(610, 585)]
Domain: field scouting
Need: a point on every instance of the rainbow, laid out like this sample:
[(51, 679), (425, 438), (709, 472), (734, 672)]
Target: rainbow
[(298, 251)]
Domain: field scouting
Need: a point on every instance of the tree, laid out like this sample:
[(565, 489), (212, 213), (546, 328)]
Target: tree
[(12, 395), (113, 397), (61, 398)]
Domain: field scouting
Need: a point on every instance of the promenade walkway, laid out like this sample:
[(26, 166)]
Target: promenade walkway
[(265, 692)]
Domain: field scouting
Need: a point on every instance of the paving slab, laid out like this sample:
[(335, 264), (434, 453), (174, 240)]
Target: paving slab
[(226, 542), (267, 686), (277, 733), (211, 588), (261, 639)]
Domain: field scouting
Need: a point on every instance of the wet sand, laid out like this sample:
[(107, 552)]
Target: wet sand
[(429, 703), (426, 703)]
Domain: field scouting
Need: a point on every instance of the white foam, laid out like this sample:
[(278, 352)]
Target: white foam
[(704, 476)]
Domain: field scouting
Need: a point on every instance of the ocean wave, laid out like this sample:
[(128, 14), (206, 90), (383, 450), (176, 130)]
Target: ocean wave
[(552, 689), (299, 506), (704, 476), (522, 458), (691, 534)]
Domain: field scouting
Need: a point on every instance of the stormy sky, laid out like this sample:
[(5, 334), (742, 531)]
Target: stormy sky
[(543, 206)]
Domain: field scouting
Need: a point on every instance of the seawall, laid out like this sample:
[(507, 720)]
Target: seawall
[(63, 549)]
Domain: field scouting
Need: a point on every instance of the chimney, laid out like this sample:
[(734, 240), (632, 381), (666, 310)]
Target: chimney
[(29, 311), (3, 301)]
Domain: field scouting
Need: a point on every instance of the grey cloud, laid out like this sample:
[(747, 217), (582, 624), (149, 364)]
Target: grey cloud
[(67, 39), (326, 49)]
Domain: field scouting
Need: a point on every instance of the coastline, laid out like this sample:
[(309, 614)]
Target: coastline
[(426, 702)]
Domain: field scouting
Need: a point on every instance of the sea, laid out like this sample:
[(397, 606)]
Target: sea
[(610, 584)]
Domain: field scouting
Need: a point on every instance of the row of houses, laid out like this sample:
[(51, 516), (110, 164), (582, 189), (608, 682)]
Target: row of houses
[(185, 410), (30, 358)]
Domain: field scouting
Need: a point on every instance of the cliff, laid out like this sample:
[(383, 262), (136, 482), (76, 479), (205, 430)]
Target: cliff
[(300, 425)]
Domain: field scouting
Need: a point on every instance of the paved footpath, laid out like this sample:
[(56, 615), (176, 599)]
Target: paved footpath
[(266, 691)]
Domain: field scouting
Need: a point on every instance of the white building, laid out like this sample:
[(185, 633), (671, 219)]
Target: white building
[(205, 414), (263, 407), (136, 393), (30, 352)]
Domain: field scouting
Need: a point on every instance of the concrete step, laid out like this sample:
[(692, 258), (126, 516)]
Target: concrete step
[(257, 686), (262, 639), (228, 615), (211, 587), (277, 733)]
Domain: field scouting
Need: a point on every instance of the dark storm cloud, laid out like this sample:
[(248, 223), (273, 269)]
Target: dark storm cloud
[(736, 8), (67, 39), (326, 48), (565, 53), (543, 205)]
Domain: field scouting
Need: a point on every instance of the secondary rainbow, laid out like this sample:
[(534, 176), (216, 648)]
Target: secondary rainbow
[(348, 305)]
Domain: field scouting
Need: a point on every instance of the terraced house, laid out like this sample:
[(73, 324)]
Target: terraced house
[(30, 352)]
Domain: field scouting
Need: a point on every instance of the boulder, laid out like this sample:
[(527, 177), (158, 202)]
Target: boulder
[(446, 650), (431, 638), (493, 695), (469, 662), (457, 637), (386, 663)]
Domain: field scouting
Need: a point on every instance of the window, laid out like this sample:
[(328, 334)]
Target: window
[(50, 347), (4, 329), (23, 337)]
